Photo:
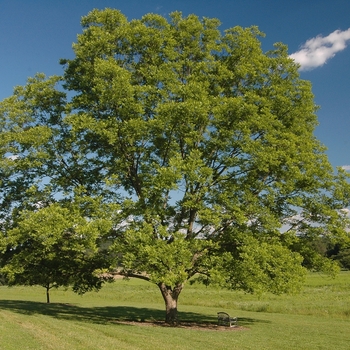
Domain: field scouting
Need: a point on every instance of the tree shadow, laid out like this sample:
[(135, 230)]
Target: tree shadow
[(109, 314), (246, 321)]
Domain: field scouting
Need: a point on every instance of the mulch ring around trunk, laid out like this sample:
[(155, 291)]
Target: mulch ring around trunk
[(184, 325)]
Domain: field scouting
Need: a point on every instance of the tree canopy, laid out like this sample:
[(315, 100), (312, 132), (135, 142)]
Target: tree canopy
[(199, 146)]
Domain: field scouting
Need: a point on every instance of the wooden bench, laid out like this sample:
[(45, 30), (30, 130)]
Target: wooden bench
[(224, 319)]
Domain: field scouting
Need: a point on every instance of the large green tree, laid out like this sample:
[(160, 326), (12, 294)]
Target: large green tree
[(201, 143)]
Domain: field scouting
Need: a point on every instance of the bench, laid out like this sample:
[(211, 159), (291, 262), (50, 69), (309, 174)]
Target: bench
[(225, 319)]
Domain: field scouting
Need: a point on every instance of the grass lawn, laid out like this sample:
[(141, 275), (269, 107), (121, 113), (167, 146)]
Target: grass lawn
[(120, 316)]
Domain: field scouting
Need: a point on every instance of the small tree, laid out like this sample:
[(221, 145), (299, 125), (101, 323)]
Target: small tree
[(54, 247), (200, 144)]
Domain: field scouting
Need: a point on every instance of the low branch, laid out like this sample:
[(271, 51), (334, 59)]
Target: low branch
[(128, 274)]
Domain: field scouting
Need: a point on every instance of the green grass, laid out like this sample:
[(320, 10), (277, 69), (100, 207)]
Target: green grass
[(318, 318)]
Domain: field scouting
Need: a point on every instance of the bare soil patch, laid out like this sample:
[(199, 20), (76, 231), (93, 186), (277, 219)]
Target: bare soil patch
[(185, 325)]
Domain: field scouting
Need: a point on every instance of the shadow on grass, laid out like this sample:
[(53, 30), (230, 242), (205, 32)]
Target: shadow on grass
[(108, 314)]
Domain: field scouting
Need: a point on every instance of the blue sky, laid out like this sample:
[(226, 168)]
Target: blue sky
[(35, 34)]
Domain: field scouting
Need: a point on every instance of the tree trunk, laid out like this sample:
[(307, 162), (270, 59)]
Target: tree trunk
[(170, 296), (48, 294)]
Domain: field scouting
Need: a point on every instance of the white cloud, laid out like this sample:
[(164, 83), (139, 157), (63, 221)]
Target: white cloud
[(346, 167), (317, 51)]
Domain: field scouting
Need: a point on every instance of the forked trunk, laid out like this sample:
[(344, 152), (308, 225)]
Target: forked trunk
[(170, 296)]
